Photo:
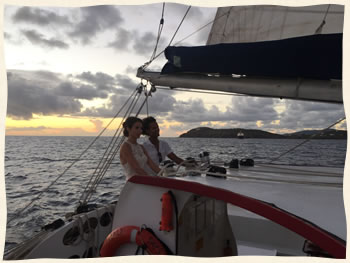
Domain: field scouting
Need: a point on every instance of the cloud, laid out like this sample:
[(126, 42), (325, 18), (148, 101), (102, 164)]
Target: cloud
[(96, 19), (45, 131), (199, 16), (101, 80), (47, 75), (46, 93), (13, 129), (131, 70), (306, 115), (179, 10), (125, 82), (39, 17), (141, 43), (36, 38), (87, 92), (144, 44), (159, 104), (122, 40), (26, 97), (98, 124), (242, 109), (252, 109), (125, 86), (7, 35), (108, 109)]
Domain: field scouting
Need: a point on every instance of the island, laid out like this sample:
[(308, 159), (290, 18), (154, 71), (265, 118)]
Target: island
[(206, 132)]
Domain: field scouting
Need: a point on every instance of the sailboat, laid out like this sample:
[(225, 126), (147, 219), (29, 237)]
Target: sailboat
[(209, 210), (240, 135)]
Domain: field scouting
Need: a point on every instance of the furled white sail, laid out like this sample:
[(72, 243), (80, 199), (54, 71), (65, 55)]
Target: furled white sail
[(242, 24)]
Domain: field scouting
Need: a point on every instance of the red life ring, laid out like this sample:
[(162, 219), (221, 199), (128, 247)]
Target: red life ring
[(132, 234), (118, 237)]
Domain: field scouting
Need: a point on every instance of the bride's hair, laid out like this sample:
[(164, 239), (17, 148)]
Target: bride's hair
[(128, 123)]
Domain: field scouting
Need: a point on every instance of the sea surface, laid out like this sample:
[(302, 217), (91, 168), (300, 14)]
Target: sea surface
[(32, 163)]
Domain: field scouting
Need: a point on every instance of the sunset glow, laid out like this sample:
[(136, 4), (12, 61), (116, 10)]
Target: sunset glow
[(67, 76)]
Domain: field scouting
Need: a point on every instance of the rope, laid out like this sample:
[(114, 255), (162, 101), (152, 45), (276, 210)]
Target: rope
[(134, 94), (306, 140), (146, 94), (204, 92), (160, 29), (228, 15), (199, 29), (110, 158), (319, 29), (105, 162), (188, 9), (21, 210), (147, 105)]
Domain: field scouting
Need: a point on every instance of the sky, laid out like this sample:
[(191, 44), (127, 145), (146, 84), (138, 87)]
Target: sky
[(69, 70)]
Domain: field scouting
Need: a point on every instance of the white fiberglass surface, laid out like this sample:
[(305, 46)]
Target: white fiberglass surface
[(321, 205)]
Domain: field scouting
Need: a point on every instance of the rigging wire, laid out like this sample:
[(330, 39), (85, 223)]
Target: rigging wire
[(160, 29), (228, 15), (318, 133), (104, 162), (93, 189), (188, 36), (146, 102), (202, 27), (188, 9), (320, 27), (21, 210), (103, 157), (112, 152), (203, 92), (108, 147)]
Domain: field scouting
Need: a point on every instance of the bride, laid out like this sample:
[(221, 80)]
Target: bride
[(133, 156)]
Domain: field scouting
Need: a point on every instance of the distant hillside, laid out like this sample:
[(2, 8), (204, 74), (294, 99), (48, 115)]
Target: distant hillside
[(205, 132), (327, 134)]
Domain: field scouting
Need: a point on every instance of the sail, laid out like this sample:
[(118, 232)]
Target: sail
[(237, 24), (269, 51), (314, 57)]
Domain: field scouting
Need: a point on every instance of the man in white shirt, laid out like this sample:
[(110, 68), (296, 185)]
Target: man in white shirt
[(157, 149)]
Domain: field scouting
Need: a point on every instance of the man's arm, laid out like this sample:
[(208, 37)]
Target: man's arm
[(175, 158)]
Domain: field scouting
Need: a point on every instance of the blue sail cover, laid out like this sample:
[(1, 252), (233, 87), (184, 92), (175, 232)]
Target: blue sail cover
[(317, 57)]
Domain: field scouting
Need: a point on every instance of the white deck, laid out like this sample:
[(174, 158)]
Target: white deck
[(322, 205)]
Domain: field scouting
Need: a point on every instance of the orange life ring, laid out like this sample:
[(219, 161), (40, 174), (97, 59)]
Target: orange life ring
[(118, 237), (132, 234)]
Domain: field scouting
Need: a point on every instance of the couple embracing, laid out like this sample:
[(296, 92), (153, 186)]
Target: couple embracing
[(143, 159)]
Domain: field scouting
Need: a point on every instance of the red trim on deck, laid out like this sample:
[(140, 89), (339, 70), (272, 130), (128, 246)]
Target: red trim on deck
[(318, 236)]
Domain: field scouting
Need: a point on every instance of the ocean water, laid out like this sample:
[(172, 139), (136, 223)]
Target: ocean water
[(32, 163)]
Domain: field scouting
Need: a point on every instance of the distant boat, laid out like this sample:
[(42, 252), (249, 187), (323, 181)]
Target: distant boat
[(240, 135)]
